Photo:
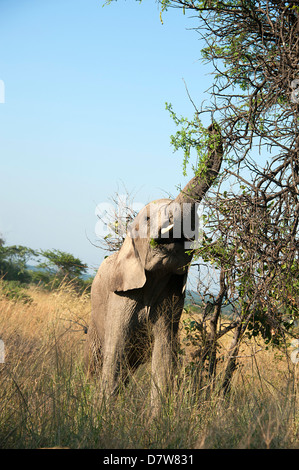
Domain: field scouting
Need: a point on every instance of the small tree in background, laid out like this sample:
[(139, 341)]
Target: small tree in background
[(14, 274), (117, 220), (13, 262), (60, 265)]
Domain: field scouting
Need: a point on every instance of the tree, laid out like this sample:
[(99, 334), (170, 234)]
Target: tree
[(62, 264), (251, 231), (115, 218), (13, 262)]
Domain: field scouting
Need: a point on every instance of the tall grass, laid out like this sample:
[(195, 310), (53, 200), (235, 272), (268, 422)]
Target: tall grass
[(46, 399)]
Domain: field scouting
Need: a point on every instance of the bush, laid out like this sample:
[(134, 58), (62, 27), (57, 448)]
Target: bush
[(14, 290)]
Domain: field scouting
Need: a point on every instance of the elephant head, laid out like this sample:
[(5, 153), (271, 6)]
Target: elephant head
[(159, 238)]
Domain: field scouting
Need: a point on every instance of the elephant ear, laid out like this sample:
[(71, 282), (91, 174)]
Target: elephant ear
[(128, 271)]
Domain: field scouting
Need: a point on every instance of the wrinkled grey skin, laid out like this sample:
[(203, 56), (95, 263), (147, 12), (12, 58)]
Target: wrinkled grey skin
[(138, 293)]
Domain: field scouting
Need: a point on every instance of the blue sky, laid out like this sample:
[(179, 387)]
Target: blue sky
[(84, 113)]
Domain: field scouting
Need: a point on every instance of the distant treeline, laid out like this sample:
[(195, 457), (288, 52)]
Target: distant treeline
[(52, 267)]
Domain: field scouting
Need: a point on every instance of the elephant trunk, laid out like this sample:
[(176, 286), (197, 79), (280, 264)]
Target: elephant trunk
[(195, 190)]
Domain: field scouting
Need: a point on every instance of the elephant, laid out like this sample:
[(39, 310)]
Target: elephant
[(138, 293)]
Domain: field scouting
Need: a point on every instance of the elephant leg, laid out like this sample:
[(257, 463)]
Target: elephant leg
[(113, 369), (92, 351), (139, 347), (118, 338), (163, 358)]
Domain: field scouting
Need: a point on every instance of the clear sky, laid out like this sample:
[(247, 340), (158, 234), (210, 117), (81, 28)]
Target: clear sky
[(84, 113)]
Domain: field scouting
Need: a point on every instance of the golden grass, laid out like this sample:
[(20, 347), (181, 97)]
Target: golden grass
[(27, 328), (46, 400)]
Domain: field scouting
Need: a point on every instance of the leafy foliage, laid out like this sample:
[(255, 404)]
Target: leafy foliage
[(13, 262), (58, 265), (192, 136), (62, 263)]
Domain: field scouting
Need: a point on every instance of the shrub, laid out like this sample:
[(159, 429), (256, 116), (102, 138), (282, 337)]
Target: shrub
[(14, 290)]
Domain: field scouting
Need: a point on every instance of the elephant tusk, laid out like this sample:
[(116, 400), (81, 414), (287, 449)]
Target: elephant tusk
[(185, 283), (166, 229)]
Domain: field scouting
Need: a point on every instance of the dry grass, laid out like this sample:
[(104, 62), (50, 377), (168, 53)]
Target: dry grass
[(46, 399)]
